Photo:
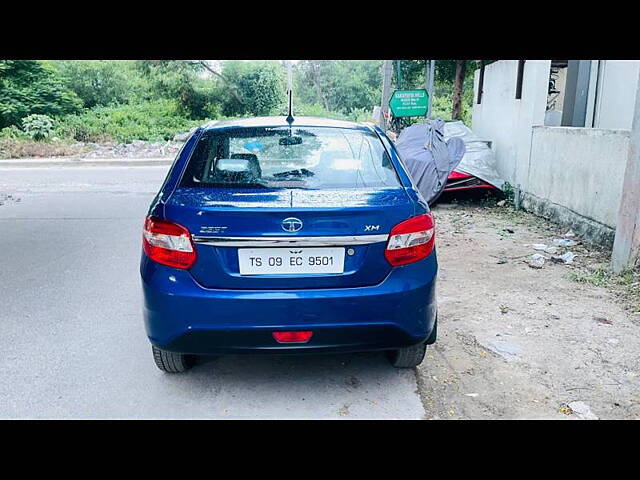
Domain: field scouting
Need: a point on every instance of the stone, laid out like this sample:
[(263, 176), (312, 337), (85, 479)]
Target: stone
[(582, 410), (536, 260)]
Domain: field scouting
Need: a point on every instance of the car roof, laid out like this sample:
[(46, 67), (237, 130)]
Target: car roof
[(282, 122)]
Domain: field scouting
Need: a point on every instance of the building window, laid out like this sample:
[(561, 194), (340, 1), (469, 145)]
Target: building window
[(519, 79)]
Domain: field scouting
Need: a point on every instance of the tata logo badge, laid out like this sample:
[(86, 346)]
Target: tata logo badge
[(291, 224)]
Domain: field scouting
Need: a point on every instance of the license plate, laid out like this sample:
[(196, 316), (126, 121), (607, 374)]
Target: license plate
[(283, 261)]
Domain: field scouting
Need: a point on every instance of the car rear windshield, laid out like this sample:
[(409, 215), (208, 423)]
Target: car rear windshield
[(283, 157)]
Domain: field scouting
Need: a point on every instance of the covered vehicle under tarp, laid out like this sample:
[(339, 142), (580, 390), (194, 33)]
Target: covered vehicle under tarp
[(429, 158), (478, 160)]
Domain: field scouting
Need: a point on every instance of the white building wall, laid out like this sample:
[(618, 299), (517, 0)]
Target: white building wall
[(506, 121), (615, 97), (579, 169), (571, 174)]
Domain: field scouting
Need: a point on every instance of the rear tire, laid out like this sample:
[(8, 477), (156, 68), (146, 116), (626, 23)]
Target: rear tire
[(434, 333), (171, 362), (408, 357)]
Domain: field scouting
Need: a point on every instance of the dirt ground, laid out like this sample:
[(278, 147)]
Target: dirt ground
[(520, 342)]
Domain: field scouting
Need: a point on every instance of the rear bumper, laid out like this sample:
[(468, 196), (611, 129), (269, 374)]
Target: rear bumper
[(182, 316), (485, 186), (466, 182), (325, 340)]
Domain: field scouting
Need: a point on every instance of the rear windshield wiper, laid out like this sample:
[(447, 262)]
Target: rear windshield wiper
[(303, 172)]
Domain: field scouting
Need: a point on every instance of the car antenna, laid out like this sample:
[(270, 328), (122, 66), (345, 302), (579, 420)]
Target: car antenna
[(290, 93)]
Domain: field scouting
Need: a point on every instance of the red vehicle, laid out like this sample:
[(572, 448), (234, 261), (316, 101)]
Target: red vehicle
[(457, 181)]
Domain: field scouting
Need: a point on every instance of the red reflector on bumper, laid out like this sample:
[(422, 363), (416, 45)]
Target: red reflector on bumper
[(292, 337)]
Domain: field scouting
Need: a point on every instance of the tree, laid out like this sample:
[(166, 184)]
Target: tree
[(101, 82), (461, 69), (358, 85), (451, 78), (30, 87), (233, 88), (342, 86), (180, 80), (313, 80), (315, 77), (259, 85)]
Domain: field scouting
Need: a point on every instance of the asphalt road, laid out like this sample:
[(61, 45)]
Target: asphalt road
[(72, 341)]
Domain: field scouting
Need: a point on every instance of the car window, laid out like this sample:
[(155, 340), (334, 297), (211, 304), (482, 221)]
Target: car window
[(283, 157)]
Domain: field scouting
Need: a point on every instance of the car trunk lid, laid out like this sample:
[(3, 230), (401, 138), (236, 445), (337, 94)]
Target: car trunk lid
[(223, 220)]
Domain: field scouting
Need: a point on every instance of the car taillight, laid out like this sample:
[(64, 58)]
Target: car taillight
[(411, 240), (168, 243), (292, 337), (458, 175)]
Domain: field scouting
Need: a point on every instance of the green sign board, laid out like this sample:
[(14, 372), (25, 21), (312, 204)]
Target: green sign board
[(409, 103)]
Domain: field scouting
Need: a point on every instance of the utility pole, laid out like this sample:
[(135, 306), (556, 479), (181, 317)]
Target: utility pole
[(387, 70), (426, 75), (427, 79), (432, 71), (626, 246)]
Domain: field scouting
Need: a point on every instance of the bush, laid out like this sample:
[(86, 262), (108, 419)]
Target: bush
[(442, 109), (13, 133), (362, 115), (37, 127), (154, 121), (28, 87), (313, 110)]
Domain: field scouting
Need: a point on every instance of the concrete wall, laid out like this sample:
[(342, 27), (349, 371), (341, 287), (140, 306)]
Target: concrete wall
[(571, 175), (616, 93), (506, 121), (576, 177)]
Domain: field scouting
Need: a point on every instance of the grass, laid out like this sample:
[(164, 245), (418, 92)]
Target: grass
[(154, 121), (600, 277), (528, 219), (603, 276), (21, 148), (627, 282)]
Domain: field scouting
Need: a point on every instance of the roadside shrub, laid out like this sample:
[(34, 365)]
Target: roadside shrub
[(313, 110), (509, 193), (12, 132), (154, 121), (442, 108), (37, 127), (362, 115)]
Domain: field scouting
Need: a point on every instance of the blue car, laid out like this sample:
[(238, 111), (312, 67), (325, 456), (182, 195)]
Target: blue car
[(275, 236)]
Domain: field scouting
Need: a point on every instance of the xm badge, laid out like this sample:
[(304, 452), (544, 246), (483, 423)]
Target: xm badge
[(291, 224)]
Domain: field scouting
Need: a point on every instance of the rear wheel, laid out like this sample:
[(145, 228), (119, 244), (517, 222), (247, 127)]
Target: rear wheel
[(408, 357), (171, 362), (434, 334)]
